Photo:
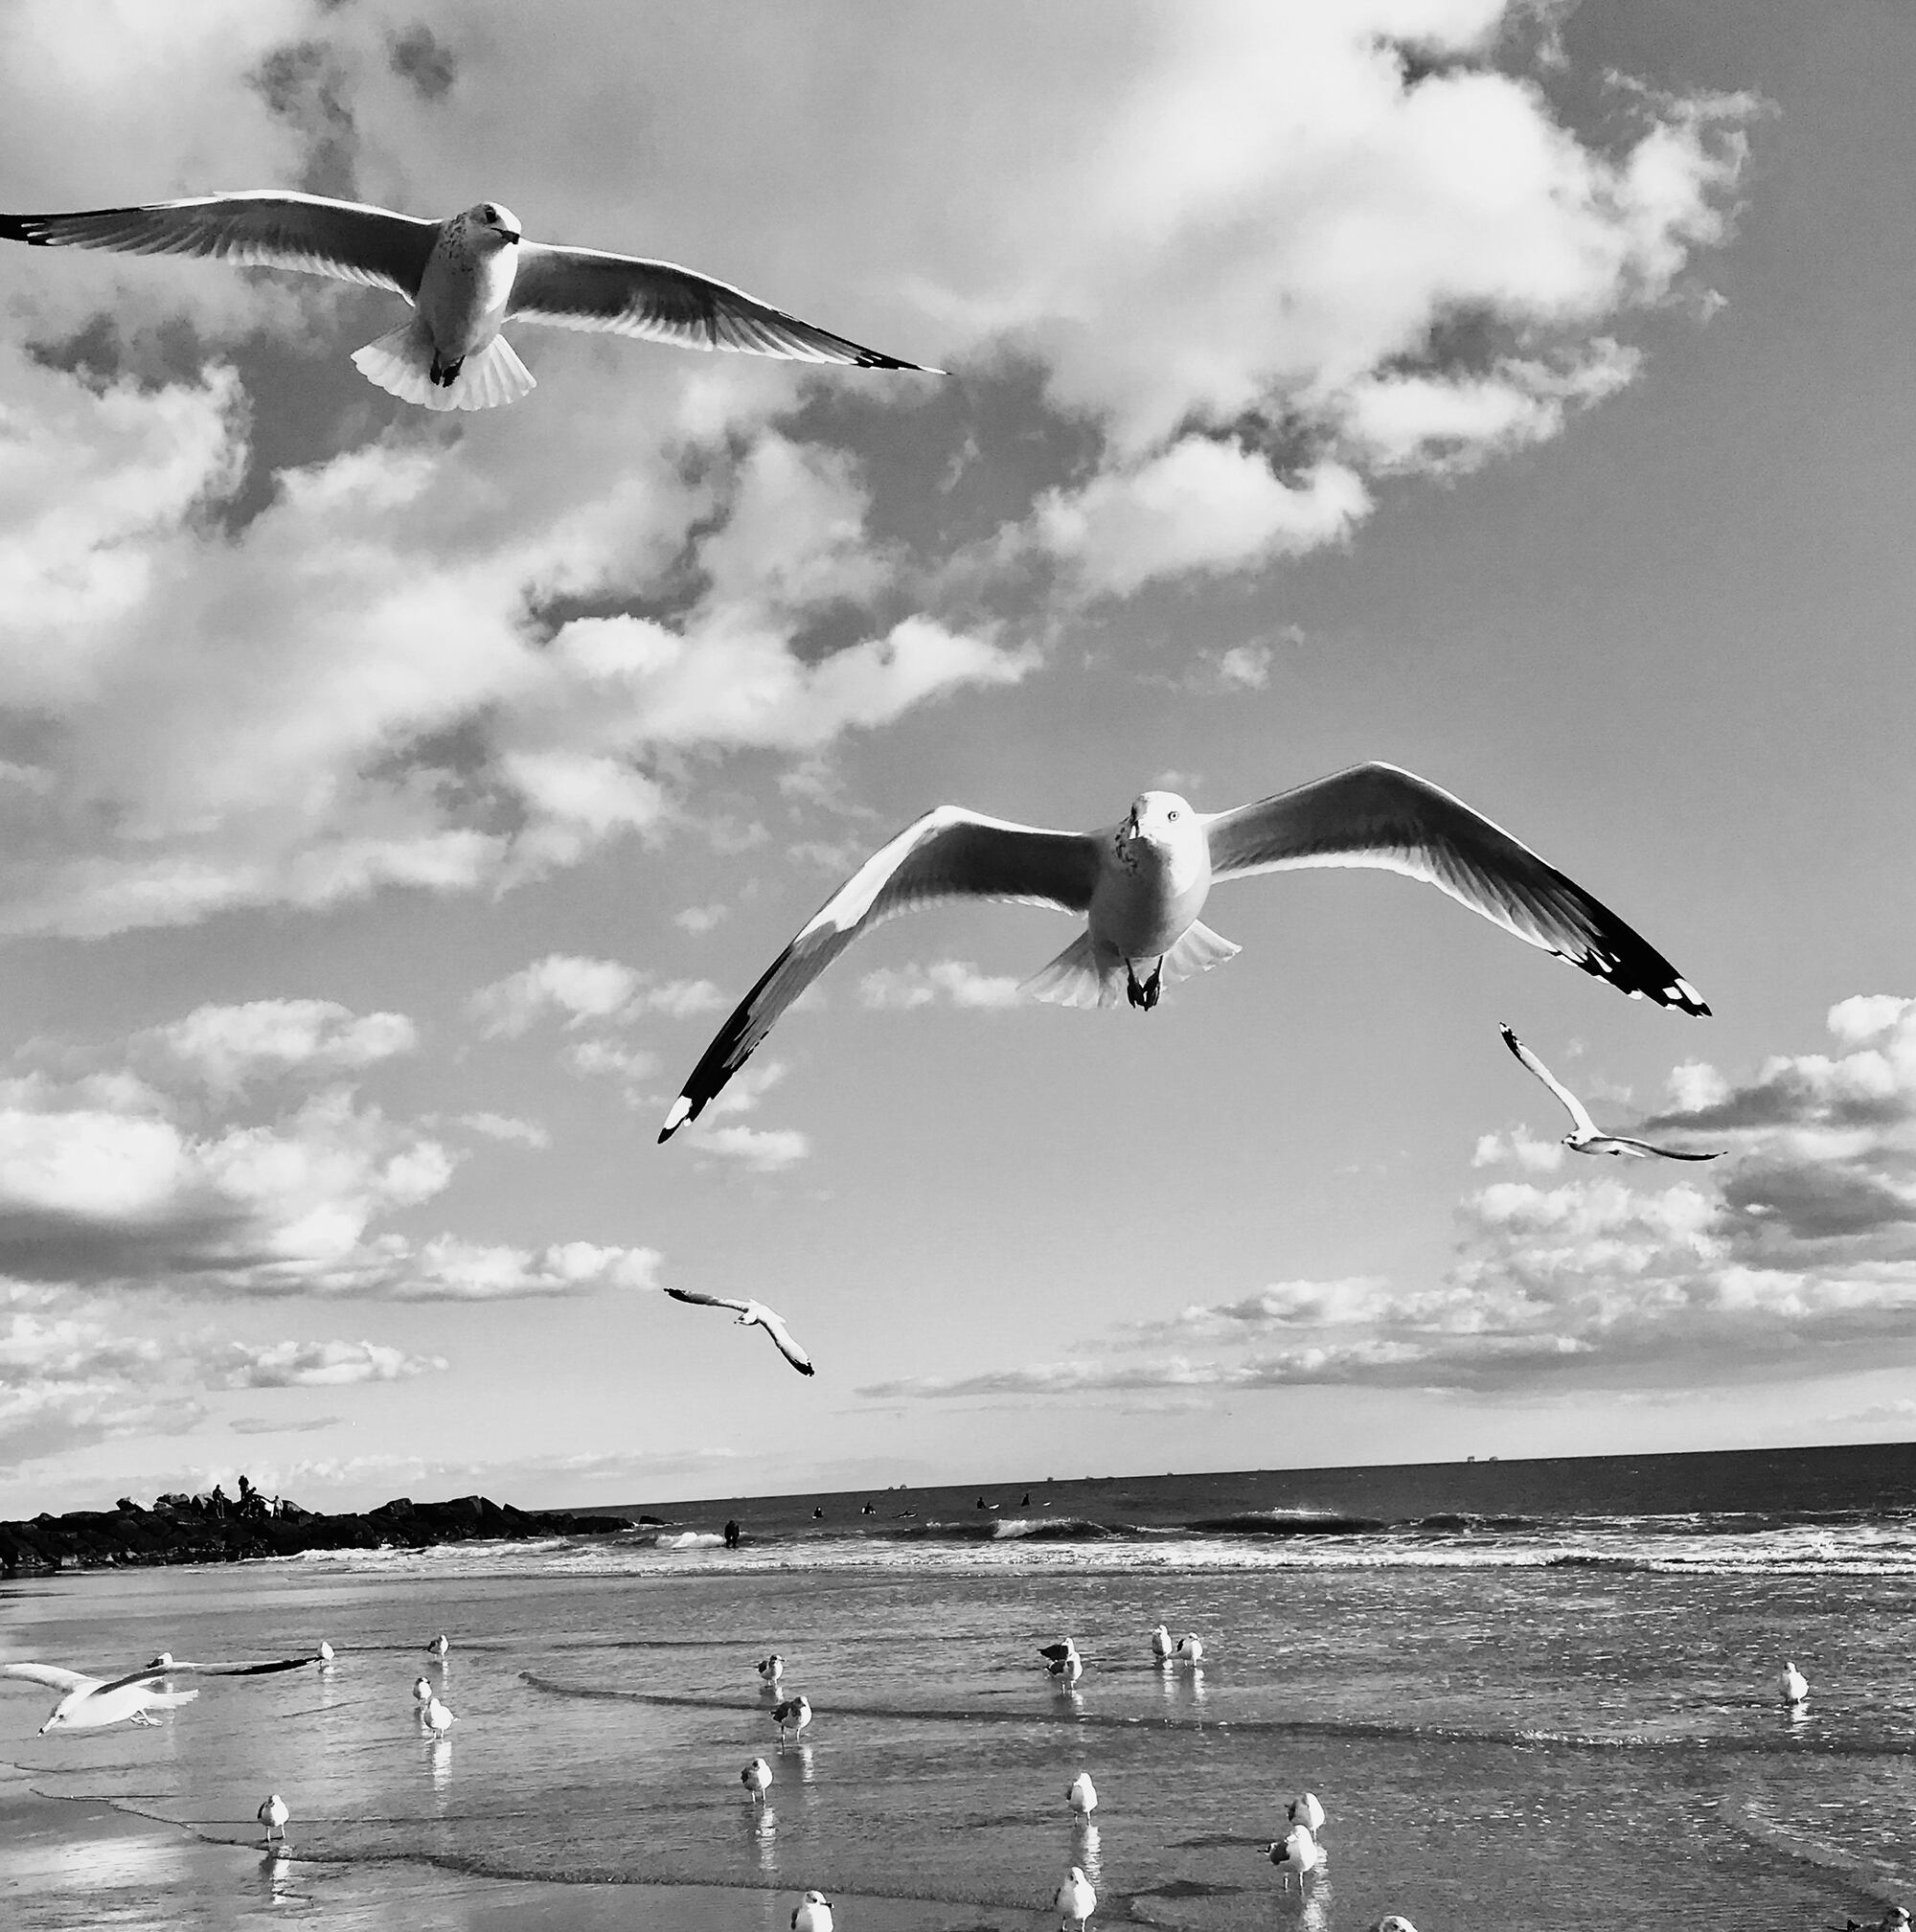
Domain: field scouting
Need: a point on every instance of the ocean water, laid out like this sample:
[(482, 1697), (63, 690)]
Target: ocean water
[(1521, 1705)]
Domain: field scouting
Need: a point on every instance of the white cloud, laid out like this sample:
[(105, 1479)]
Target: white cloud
[(699, 919), (763, 1149), (228, 1046), (955, 980), (102, 1188), (320, 1364), (508, 1127), (1200, 505), (586, 991)]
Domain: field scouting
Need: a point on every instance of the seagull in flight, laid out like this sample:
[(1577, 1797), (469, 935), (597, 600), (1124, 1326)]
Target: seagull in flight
[(1140, 885), (91, 1703), (752, 1313), (1583, 1137), (464, 276)]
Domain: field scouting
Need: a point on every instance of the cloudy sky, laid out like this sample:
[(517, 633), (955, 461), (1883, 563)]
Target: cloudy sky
[(395, 803)]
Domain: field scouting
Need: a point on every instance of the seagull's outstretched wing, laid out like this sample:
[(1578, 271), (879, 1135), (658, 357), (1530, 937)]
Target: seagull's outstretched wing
[(584, 288), (153, 1673), (51, 1676), (1580, 1115), (1665, 1153), (1376, 815), (707, 1301), (949, 853), (265, 228), (774, 1325)]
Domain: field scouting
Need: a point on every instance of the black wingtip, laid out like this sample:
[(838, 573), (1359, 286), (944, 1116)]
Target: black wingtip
[(25, 228), (806, 1369)]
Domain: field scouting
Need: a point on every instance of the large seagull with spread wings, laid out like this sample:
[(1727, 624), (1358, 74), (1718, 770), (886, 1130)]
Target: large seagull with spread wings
[(1141, 884), (465, 276), (91, 1703)]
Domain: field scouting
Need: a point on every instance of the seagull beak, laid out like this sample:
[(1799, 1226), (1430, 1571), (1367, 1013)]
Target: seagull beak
[(509, 234)]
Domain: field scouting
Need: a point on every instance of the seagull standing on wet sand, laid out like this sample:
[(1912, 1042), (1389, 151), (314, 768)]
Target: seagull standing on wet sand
[(794, 1714), (1190, 1649), (422, 1690), (1305, 1810), (1393, 1922), (772, 1669), (1794, 1685), (750, 1314), (1160, 1643), (757, 1779), (1076, 1900), (273, 1815), (1141, 884), (324, 1652), (1583, 1137), (91, 1703), (1082, 1794), (1296, 1851), (466, 277), (439, 1720), (440, 1646), (813, 1913), (1061, 1660)]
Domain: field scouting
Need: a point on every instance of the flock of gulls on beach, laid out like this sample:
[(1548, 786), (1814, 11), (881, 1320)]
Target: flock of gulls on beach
[(1139, 885), (92, 1703)]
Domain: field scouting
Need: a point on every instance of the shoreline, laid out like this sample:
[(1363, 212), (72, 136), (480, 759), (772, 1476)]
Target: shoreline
[(79, 1861)]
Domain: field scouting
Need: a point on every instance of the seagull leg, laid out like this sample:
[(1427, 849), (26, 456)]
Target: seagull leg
[(1152, 986), (1143, 994), (445, 373)]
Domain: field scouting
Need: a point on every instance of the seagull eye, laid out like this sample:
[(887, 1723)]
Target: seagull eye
[(489, 213), (1171, 814)]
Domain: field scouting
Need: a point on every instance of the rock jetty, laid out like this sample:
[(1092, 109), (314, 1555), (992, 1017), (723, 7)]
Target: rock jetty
[(213, 1529)]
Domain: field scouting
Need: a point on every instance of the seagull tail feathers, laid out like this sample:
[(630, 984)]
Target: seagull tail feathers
[(1082, 975), (401, 363), (1197, 952)]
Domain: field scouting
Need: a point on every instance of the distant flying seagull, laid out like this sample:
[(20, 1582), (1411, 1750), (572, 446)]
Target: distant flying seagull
[(273, 1815), (1082, 1795), (757, 1779), (466, 277), (1585, 1137), (1296, 1852), (813, 1913), (439, 1720), (1305, 1810), (1076, 1900), (752, 1313), (1142, 884), (794, 1715), (1795, 1685), (772, 1669), (1160, 1643), (90, 1703)]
